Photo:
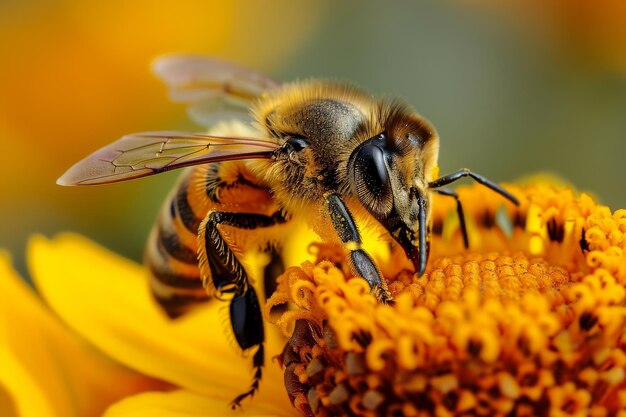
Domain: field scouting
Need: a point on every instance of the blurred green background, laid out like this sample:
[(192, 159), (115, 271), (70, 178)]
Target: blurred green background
[(529, 87)]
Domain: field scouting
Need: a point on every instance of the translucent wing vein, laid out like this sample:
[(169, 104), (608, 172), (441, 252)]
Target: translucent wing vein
[(143, 154), (193, 78), (213, 89)]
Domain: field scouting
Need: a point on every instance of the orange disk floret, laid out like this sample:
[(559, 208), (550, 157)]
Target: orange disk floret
[(521, 329)]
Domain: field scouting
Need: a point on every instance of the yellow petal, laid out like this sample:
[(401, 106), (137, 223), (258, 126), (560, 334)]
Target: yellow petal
[(21, 395), (105, 298), (7, 405), (47, 370), (186, 404)]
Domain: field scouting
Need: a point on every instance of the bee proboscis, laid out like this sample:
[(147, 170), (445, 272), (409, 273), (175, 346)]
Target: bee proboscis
[(322, 151)]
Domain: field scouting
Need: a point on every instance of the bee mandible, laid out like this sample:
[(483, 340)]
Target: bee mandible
[(320, 151)]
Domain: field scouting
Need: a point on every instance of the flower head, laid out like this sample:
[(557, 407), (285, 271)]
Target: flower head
[(531, 321)]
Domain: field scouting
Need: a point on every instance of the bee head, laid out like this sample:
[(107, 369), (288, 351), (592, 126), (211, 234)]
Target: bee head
[(389, 174)]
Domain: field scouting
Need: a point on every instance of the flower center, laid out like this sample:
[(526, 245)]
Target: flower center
[(492, 333)]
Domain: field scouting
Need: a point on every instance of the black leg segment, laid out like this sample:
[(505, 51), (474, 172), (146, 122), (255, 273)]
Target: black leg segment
[(247, 323), (450, 178), (257, 362), (342, 220), (364, 266), (459, 212), (272, 270), (346, 229), (228, 276), (246, 319)]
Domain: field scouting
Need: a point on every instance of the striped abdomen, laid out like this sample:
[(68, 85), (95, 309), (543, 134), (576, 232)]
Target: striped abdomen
[(172, 248), (171, 252)]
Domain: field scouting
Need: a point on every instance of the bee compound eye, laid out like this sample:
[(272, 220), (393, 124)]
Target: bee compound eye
[(297, 143), (370, 179)]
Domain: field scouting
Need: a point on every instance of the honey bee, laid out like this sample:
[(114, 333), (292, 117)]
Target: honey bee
[(319, 151)]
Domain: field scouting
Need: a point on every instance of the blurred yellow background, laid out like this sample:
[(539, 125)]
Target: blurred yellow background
[(513, 91)]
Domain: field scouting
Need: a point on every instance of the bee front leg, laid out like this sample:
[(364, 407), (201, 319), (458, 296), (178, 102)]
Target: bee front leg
[(221, 270), (362, 263)]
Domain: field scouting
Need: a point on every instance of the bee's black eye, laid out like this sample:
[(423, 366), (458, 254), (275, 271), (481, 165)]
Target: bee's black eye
[(369, 177), (369, 164), (297, 143)]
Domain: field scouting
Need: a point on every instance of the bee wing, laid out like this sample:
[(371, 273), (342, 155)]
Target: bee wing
[(142, 154), (213, 89)]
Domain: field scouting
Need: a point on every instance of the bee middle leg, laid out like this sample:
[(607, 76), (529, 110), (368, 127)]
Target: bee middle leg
[(221, 269), (459, 212), (455, 176), (274, 269), (349, 235)]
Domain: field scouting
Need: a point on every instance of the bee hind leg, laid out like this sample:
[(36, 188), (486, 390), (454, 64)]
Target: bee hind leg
[(247, 323), (221, 270), (361, 261)]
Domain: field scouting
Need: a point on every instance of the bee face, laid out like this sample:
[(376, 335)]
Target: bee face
[(382, 154), (330, 130), (389, 174)]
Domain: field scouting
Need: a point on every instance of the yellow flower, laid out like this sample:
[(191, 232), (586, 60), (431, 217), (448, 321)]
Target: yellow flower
[(530, 321)]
